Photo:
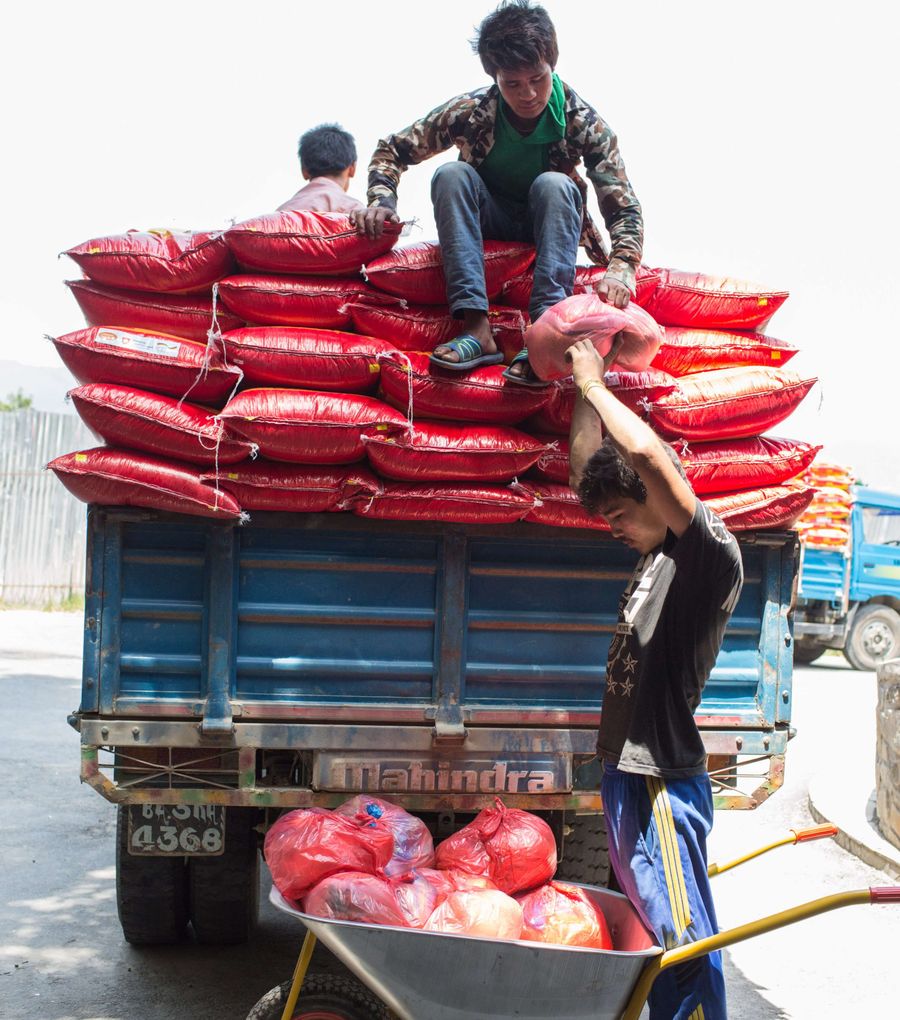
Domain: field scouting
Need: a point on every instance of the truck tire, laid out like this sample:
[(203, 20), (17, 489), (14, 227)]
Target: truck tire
[(874, 637), (323, 997), (807, 650), (151, 893), (223, 891), (585, 851)]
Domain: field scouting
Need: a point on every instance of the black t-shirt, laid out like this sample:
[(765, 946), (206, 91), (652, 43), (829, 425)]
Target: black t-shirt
[(672, 618)]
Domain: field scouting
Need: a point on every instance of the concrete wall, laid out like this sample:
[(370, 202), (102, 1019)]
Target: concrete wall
[(887, 751)]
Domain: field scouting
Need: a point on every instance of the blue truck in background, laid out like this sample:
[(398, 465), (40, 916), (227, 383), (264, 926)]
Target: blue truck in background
[(849, 598), (232, 672)]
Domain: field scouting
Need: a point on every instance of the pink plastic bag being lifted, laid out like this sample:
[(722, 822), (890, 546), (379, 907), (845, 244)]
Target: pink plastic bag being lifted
[(307, 845), (564, 915), (413, 845), (587, 317), (515, 849)]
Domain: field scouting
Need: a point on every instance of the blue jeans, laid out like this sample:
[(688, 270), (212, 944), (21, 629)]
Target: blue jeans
[(657, 847), (466, 213)]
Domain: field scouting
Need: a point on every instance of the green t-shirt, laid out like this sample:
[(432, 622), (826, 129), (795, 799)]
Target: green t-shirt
[(511, 166)]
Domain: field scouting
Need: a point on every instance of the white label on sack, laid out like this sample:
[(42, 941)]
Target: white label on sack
[(139, 342)]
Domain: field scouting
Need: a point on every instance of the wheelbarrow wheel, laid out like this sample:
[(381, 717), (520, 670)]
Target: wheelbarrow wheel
[(585, 851), (323, 997)]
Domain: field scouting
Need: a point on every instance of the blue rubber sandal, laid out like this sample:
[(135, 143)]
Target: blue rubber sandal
[(529, 379), (471, 355)]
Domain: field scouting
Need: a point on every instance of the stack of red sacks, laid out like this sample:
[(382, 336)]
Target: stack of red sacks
[(825, 524), (492, 878), (283, 365)]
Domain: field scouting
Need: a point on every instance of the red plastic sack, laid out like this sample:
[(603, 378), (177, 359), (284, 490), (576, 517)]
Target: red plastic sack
[(558, 507), (752, 463), (728, 403), (184, 315), (416, 271), (455, 504), (775, 506), (424, 327), (481, 396), (563, 915), (588, 317), (515, 849), (268, 486), (317, 301), (128, 417), (685, 351), (634, 389), (517, 292), (437, 452), (309, 844), (303, 241), (489, 914), (305, 427), (123, 478), (157, 260), (712, 302), (356, 896), (553, 463), (156, 361), (316, 359), (413, 845)]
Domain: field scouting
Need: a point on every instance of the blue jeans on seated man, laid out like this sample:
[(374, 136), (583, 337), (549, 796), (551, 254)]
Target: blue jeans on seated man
[(466, 213)]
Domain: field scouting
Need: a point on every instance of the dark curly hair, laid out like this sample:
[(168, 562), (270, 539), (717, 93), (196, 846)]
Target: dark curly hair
[(608, 476), (326, 150), (517, 34)]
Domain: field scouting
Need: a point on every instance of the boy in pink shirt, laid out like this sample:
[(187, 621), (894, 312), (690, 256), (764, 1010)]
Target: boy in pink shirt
[(327, 161)]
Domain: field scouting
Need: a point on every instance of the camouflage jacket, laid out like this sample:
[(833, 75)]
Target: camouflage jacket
[(468, 123)]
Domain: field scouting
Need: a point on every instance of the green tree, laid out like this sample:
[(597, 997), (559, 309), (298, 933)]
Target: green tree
[(16, 402)]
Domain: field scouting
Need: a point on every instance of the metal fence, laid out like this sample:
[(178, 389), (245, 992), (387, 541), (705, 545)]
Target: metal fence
[(41, 525)]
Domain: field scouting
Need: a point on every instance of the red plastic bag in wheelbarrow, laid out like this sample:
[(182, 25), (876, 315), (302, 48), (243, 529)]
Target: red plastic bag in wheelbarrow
[(157, 260), (315, 359), (423, 327), (154, 361), (307, 427), (774, 506), (356, 896), (309, 844), (563, 914), (488, 913), (728, 403), (515, 849), (128, 417), (264, 485), (422, 890), (318, 301), (124, 478), (684, 351), (730, 464), (184, 315), (447, 502), (588, 317), (439, 452), (302, 241), (480, 396), (712, 302), (416, 271), (413, 845)]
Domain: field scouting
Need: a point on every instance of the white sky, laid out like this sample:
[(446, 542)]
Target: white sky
[(760, 138)]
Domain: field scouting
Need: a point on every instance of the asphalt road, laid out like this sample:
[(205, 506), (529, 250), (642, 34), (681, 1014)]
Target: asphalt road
[(62, 956)]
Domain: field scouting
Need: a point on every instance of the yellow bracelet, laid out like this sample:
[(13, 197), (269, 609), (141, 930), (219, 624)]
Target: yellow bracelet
[(586, 387)]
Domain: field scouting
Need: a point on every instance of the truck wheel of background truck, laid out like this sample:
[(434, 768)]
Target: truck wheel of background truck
[(807, 650), (874, 637), (323, 997), (223, 891), (585, 850), (151, 893)]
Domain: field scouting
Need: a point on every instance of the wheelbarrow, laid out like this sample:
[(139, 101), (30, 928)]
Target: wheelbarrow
[(411, 974)]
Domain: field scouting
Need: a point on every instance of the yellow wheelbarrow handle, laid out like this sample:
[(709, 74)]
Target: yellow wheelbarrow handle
[(693, 950), (303, 960), (796, 836)]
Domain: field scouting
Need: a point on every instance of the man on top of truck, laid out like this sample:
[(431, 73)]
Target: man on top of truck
[(328, 162), (520, 141), (672, 615)]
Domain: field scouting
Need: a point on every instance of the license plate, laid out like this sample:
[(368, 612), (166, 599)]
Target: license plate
[(176, 830), (374, 772)]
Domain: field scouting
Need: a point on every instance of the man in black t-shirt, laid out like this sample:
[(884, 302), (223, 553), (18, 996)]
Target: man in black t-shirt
[(672, 617)]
